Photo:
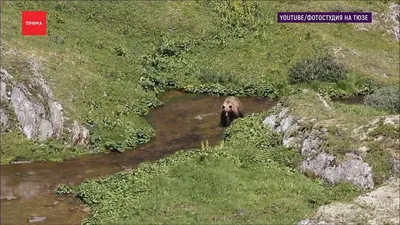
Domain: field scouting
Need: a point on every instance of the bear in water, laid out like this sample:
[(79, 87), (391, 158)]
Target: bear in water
[(231, 109)]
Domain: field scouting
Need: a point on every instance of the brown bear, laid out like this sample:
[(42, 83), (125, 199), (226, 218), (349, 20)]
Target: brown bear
[(231, 109)]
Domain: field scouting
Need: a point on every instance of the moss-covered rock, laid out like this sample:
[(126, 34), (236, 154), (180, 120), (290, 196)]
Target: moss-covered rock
[(338, 143), (380, 206)]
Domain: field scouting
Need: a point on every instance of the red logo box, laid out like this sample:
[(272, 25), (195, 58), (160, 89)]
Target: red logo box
[(34, 23)]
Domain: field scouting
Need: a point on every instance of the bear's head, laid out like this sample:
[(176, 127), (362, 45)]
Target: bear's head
[(228, 109)]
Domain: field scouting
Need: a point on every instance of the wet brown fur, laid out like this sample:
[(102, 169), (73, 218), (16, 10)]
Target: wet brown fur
[(231, 109)]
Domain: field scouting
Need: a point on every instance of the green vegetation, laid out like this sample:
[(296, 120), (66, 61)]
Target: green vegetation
[(118, 56), (247, 179), (383, 147), (308, 104), (386, 130), (321, 68), (251, 132), (387, 98), (51, 150), (380, 161)]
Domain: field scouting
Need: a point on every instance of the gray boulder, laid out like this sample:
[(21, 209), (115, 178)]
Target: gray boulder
[(45, 130), (378, 207), (36, 219), (3, 91), (353, 170), (4, 123), (394, 16), (396, 165), (311, 222), (4, 76), (56, 119), (80, 135), (29, 113)]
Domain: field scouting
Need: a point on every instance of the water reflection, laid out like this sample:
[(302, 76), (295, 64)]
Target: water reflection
[(12, 188)]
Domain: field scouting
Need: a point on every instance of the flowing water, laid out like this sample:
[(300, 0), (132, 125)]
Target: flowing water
[(27, 190)]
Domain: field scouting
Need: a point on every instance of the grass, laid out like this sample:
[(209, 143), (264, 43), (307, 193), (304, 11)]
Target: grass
[(197, 46), (386, 130), (230, 183), (308, 104), (381, 163), (51, 150)]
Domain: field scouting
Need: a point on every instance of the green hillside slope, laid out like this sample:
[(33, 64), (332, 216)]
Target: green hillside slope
[(106, 60)]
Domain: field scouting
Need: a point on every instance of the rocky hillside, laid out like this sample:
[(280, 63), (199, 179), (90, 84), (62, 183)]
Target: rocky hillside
[(344, 143), (380, 206), (337, 143), (31, 117), (31, 107)]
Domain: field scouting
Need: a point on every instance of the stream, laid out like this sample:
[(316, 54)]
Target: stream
[(27, 190)]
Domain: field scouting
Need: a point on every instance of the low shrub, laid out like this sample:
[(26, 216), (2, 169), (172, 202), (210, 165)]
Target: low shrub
[(251, 132), (321, 68), (386, 98)]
